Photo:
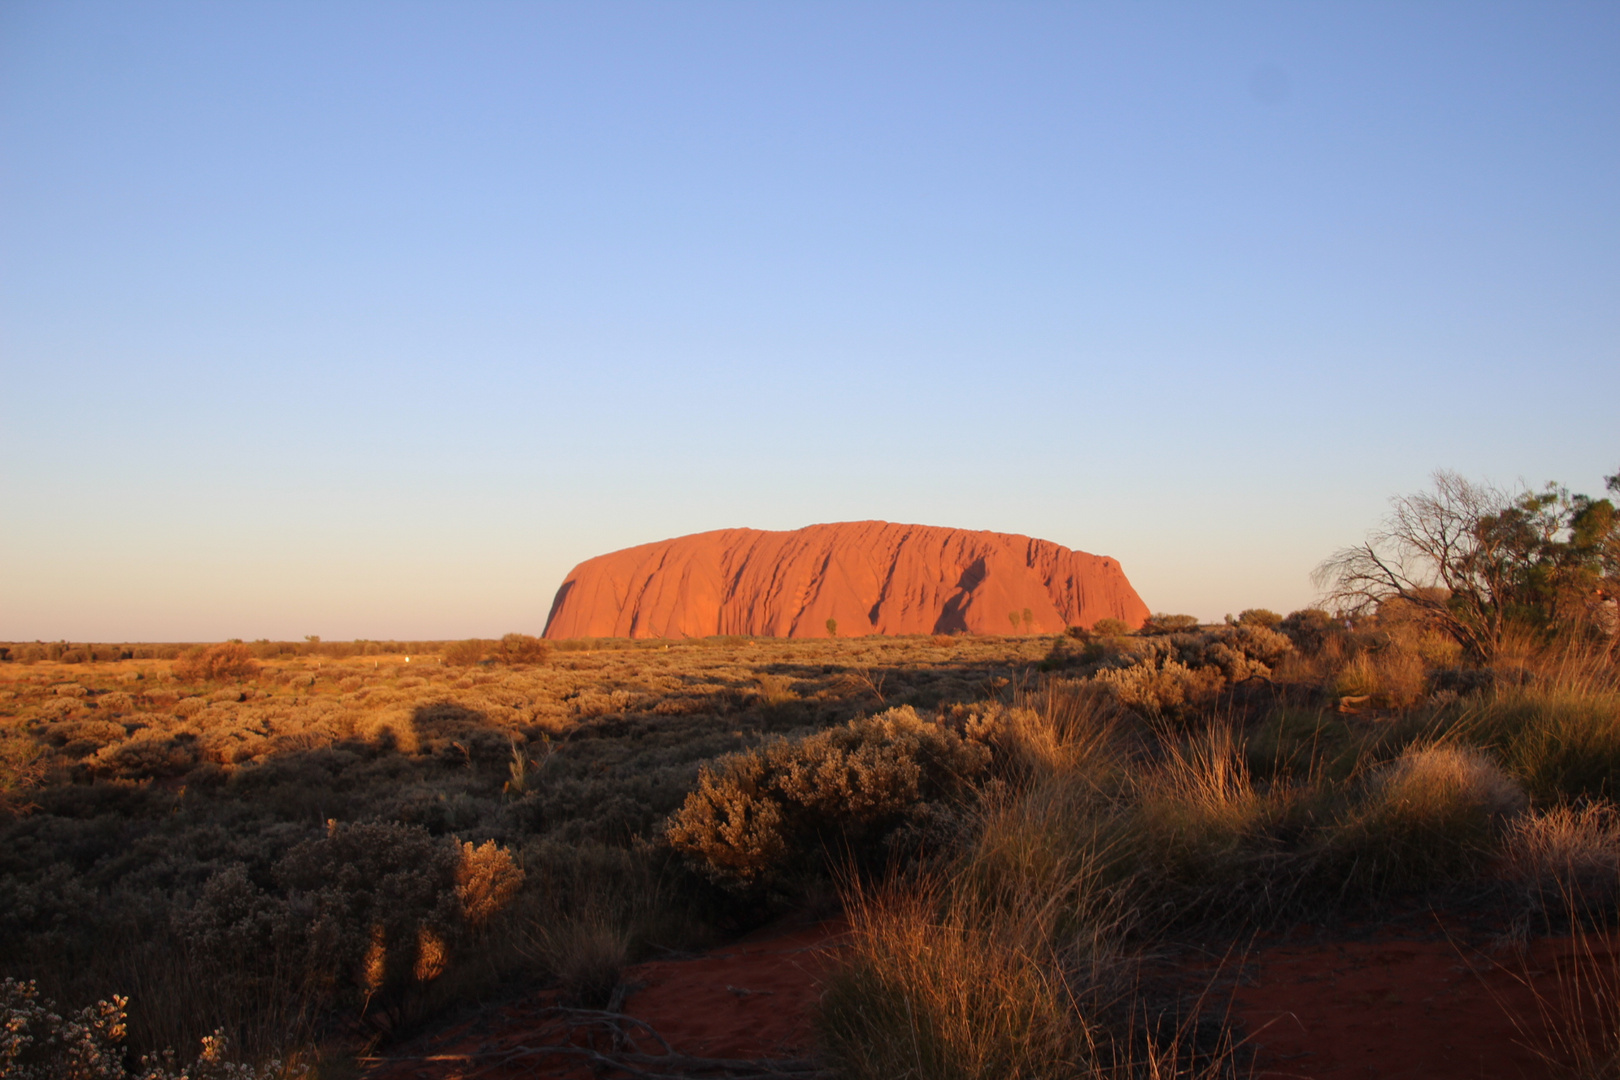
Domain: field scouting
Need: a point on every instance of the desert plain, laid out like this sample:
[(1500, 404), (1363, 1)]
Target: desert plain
[(1302, 846)]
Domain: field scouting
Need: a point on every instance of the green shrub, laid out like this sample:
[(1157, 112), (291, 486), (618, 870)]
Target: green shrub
[(169, 890), (1178, 675), (510, 649), (1242, 652), (147, 755), (1066, 727), (487, 880)]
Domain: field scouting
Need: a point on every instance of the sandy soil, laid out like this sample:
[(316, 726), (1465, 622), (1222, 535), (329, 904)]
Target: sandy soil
[(1385, 1009), (1441, 1007), (750, 1000), (1419, 1006)]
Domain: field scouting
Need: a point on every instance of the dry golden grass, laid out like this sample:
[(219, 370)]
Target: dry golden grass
[(149, 807), (1021, 955), (1048, 810)]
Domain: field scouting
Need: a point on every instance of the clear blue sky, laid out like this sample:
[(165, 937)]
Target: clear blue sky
[(370, 320)]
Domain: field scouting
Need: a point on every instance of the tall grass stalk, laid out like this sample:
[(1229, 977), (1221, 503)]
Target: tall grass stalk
[(1081, 722), (1562, 737), (1433, 815), (929, 988), (585, 952), (1013, 960), (1574, 1027), (1204, 839), (943, 982)]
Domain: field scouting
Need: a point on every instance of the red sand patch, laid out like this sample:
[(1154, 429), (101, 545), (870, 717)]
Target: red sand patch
[(750, 1000), (753, 999), (1386, 1007), (1432, 1009)]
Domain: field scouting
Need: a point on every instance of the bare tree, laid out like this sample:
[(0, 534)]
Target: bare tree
[(1461, 555)]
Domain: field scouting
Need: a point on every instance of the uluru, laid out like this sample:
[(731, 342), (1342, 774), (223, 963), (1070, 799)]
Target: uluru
[(848, 579)]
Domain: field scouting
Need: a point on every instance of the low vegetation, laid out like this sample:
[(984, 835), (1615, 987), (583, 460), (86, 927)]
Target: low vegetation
[(313, 845), (284, 853)]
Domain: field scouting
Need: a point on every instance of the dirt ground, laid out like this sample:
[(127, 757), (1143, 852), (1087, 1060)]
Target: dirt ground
[(1425, 1005), (748, 1001), (1395, 1008)]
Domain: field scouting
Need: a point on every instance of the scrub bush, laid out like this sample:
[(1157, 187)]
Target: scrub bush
[(1310, 629), (1564, 741), (934, 985), (147, 838), (1433, 815), (842, 791), (467, 653), (1170, 690), (38, 1043), (585, 952), (1177, 676), (22, 767), (1567, 853), (510, 649), (389, 903), (227, 660), (487, 880), (523, 649), (1162, 623)]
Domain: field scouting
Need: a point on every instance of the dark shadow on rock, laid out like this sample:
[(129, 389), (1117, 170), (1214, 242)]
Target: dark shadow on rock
[(556, 604), (951, 618)]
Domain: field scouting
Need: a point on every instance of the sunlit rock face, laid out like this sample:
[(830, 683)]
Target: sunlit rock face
[(869, 577)]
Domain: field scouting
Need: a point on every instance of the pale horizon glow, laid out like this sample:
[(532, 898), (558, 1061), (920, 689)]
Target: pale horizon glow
[(371, 321)]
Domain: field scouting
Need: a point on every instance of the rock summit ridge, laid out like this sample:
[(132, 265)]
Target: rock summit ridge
[(870, 577)]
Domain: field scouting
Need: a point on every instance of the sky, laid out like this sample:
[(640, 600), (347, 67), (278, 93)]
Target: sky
[(370, 320)]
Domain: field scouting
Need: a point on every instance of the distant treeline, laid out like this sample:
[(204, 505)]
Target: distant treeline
[(510, 648), (523, 648), (70, 652)]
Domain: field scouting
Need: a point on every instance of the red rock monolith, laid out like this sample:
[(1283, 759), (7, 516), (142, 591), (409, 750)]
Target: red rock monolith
[(870, 577)]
